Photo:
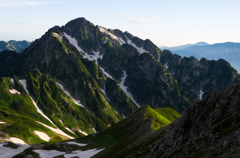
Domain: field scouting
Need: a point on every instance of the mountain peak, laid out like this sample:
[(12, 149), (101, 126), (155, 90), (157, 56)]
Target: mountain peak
[(77, 21)]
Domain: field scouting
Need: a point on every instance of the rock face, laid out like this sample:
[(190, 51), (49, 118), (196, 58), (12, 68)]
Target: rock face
[(198, 78), (207, 128)]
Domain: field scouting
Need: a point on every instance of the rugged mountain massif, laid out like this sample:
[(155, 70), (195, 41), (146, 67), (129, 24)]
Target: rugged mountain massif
[(199, 77), (81, 79), (17, 46), (140, 68)]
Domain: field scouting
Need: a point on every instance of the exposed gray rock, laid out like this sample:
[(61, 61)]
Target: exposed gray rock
[(207, 128)]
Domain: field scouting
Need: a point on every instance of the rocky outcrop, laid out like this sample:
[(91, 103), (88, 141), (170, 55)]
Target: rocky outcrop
[(198, 78), (207, 128)]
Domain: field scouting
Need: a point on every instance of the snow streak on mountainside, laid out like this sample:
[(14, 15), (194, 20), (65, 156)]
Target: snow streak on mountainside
[(96, 56), (67, 93), (24, 84), (141, 49), (66, 127), (56, 130), (83, 132), (74, 42), (108, 33), (124, 88)]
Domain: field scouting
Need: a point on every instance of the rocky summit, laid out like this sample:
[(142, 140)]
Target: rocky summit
[(81, 79)]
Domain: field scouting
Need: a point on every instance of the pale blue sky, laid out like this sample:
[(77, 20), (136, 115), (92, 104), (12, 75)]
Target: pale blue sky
[(165, 22)]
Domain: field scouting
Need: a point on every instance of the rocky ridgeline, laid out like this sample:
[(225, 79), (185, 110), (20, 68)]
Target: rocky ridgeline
[(207, 128), (198, 78), (152, 77)]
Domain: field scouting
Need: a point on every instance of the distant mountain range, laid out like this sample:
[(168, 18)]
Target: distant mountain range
[(17, 46), (229, 51), (181, 47)]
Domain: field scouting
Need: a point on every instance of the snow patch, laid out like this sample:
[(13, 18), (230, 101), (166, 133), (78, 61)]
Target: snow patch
[(83, 132), (121, 40), (66, 127), (3, 122), (106, 73), (42, 135), (77, 153), (108, 33), (24, 84), (56, 130), (94, 57), (104, 92), (166, 66), (14, 91), (48, 153), (124, 88), (12, 80), (74, 42), (61, 122), (75, 143), (6, 152), (69, 130), (67, 93), (83, 154), (201, 94), (140, 49), (17, 140)]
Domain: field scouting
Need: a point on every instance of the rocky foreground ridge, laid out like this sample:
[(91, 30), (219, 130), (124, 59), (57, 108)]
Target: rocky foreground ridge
[(207, 128)]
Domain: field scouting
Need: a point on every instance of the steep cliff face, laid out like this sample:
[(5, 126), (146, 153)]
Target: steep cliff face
[(198, 78), (207, 128)]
